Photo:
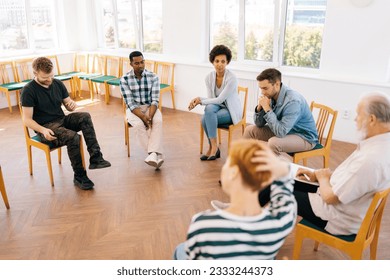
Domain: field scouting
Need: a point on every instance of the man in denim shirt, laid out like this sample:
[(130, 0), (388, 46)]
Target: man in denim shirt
[(282, 116)]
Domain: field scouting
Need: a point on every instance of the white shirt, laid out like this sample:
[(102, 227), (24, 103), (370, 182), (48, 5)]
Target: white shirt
[(365, 172)]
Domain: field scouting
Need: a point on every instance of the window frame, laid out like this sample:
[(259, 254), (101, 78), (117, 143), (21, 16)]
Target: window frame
[(31, 46), (280, 25), (138, 25)]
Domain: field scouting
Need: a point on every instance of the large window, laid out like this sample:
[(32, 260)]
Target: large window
[(278, 32), (27, 24), (131, 24)]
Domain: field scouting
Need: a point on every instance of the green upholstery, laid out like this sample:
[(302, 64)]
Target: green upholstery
[(13, 86), (36, 138), (348, 238), (163, 86), (102, 79), (89, 76), (114, 82)]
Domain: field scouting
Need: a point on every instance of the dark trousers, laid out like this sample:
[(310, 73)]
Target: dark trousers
[(65, 129), (304, 207)]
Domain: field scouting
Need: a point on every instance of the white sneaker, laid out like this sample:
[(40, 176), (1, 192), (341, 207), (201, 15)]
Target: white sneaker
[(160, 161), (219, 205), (151, 159)]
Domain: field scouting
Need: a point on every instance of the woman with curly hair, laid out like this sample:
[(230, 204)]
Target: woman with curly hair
[(223, 106)]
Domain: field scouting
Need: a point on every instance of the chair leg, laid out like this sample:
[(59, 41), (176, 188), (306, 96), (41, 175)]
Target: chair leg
[(128, 141), (90, 86), (107, 95), (3, 191), (201, 138), (173, 98), (304, 161), (219, 136), (229, 138), (316, 245), (326, 161), (9, 101), (297, 245), (49, 167), (29, 156), (160, 102)]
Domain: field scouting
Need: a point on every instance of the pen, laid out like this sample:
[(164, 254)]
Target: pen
[(307, 177)]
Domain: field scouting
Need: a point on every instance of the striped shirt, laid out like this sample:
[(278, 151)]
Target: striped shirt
[(140, 92), (222, 235)]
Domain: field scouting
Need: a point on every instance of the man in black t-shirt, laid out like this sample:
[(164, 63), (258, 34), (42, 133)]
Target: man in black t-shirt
[(41, 103)]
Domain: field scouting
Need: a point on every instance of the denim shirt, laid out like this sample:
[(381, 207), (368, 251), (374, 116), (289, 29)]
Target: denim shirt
[(291, 115)]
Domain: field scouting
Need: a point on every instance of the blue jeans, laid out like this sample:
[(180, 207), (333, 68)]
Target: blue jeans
[(180, 253), (214, 115)]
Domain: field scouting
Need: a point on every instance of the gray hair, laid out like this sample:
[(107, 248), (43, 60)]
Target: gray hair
[(378, 104)]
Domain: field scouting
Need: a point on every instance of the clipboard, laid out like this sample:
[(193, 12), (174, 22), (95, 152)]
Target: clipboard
[(303, 185)]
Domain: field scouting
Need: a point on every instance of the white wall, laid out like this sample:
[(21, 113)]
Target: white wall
[(355, 55)]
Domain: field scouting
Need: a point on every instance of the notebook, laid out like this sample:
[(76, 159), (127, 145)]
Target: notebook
[(302, 185)]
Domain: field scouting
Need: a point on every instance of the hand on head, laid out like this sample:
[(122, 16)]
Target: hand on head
[(268, 161)]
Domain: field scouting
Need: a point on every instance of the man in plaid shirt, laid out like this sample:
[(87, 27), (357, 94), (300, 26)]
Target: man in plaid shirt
[(141, 91)]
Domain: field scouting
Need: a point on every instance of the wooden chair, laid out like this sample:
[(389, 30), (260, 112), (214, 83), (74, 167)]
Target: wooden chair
[(123, 69), (9, 81), (353, 245), (63, 76), (34, 141), (230, 128), (150, 65), (165, 73), (24, 70), (2, 190), (322, 149), (111, 70), (88, 66), (127, 126), (81, 66)]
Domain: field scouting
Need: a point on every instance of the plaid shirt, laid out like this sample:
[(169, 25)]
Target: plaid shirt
[(140, 92)]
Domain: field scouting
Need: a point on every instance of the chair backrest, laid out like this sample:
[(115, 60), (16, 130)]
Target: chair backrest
[(99, 63), (23, 69), (324, 114), (125, 66), (150, 65), (7, 72), (165, 72), (244, 91), (372, 221), (56, 65), (112, 65), (81, 63)]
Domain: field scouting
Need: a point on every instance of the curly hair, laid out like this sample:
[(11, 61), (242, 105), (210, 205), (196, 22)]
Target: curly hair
[(220, 50), (42, 64), (241, 153)]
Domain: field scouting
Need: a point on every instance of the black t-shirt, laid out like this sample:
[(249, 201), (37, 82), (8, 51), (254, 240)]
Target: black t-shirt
[(46, 101)]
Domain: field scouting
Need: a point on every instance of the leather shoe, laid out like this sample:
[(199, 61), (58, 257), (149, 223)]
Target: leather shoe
[(214, 157), (203, 157)]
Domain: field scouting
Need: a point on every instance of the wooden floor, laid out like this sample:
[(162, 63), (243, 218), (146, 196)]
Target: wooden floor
[(134, 212)]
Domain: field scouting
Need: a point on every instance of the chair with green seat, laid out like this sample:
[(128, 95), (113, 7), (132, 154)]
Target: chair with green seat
[(354, 244), (24, 70), (166, 75), (63, 77), (111, 71), (9, 82), (35, 141), (96, 65), (123, 69), (325, 114), (80, 67)]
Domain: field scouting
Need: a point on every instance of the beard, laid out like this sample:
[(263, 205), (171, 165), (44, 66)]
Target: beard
[(362, 132)]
